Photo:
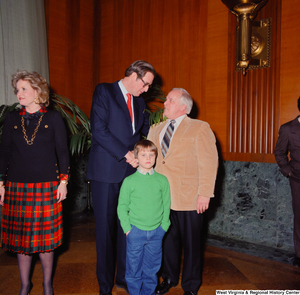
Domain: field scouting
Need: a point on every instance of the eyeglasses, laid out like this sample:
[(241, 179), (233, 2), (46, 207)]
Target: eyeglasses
[(146, 84)]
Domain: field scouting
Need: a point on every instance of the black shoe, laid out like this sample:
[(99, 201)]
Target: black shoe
[(296, 261), (164, 287), (30, 287), (122, 286), (190, 293)]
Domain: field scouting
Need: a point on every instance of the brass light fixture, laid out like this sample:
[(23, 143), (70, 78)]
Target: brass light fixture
[(246, 11)]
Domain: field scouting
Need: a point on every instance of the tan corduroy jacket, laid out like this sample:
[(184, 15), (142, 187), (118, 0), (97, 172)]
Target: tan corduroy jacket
[(190, 164)]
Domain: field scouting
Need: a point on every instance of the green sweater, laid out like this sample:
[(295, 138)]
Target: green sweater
[(144, 202)]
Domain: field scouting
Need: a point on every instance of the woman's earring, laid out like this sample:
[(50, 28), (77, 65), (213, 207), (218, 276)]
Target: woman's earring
[(36, 100)]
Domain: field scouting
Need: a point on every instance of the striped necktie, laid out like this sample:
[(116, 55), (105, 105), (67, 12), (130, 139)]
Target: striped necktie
[(165, 143)]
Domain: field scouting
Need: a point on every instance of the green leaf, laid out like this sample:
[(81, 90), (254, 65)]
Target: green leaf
[(77, 122)]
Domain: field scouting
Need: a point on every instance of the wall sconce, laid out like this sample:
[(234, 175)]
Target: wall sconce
[(246, 11)]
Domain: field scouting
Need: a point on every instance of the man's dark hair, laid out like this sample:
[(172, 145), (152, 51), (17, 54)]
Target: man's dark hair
[(140, 67)]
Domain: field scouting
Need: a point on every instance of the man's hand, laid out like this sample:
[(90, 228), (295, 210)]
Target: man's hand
[(130, 159), (202, 204)]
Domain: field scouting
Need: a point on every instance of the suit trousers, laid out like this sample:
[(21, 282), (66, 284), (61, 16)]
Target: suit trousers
[(184, 232), (108, 229), (295, 188)]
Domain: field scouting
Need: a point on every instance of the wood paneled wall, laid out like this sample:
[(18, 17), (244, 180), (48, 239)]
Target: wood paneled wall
[(70, 29), (169, 34), (290, 60), (191, 45), (253, 100)]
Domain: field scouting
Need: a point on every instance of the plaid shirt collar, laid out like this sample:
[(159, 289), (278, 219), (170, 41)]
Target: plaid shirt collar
[(42, 110)]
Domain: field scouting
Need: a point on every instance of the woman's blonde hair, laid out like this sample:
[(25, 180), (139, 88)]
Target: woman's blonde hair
[(36, 81)]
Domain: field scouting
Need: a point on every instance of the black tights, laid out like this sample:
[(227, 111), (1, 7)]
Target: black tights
[(24, 262)]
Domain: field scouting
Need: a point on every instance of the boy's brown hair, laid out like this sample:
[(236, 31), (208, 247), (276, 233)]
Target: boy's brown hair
[(145, 144)]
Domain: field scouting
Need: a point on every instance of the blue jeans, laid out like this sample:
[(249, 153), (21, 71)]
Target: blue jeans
[(143, 260)]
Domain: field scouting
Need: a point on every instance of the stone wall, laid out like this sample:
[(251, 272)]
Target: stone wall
[(252, 204)]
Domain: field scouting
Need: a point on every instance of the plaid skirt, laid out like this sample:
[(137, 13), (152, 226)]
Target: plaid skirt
[(31, 217)]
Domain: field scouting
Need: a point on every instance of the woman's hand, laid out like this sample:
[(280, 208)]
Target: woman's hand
[(62, 192), (2, 193)]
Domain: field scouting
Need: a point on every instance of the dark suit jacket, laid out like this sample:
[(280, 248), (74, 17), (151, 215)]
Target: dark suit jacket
[(289, 141), (112, 133)]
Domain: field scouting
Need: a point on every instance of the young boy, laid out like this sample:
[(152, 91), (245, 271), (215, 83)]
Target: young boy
[(143, 210)]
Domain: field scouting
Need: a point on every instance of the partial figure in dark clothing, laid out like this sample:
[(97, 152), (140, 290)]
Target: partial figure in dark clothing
[(34, 172), (287, 154)]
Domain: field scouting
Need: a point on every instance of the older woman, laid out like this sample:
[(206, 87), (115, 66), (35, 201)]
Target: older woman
[(34, 168)]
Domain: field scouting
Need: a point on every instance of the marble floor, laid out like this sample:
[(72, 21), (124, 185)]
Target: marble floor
[(224, 269)]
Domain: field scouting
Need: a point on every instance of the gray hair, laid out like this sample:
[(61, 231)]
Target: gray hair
[(185, 99)]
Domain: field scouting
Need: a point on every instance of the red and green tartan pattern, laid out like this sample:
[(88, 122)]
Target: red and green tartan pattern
[(31, 217)]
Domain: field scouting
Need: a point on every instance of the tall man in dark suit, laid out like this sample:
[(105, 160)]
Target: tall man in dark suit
[(118, 118), (289, 142)]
